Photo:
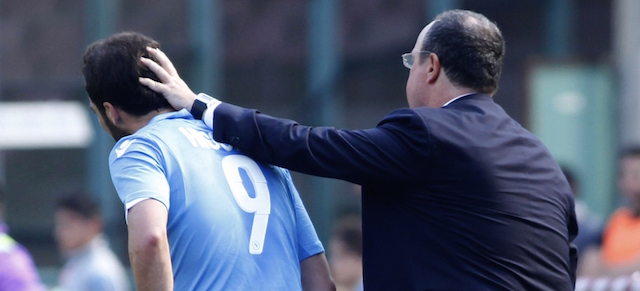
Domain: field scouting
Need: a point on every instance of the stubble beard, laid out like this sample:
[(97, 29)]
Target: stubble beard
[(115, 132)]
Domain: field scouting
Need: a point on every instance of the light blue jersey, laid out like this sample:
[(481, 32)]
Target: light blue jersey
[(233, 224)]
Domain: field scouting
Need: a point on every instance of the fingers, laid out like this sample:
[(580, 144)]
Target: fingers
[(162, 74), (153, 85), (163, 60)]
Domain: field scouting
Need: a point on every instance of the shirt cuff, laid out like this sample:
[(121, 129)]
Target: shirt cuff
[(207, 115), (132, 203)]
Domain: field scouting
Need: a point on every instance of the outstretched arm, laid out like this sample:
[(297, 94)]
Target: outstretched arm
[(360, 156), (172, 87)]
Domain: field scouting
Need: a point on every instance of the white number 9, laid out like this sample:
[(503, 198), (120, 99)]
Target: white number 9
[(260, 205)]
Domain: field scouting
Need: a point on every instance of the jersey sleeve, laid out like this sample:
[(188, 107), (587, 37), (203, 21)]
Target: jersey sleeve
[(308, 242), (137, 172)]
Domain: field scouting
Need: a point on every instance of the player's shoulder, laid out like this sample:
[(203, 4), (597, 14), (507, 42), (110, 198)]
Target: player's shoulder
[(136, 142)]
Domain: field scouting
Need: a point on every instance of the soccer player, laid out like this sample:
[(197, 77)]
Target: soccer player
[(201, 215)]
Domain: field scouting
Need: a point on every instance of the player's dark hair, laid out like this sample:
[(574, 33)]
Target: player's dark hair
[(470, 48), (79, 203), (111, 69), (349, 230)]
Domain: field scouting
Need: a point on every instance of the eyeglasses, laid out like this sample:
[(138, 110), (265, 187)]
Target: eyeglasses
[(408, 59)]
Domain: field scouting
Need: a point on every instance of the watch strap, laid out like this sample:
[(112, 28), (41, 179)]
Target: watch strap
[(200, 104)]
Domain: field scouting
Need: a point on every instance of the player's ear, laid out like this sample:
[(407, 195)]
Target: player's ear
[(433, 68), (111, 112)]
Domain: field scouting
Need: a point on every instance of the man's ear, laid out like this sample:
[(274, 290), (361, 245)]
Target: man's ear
[(113, 114), (433, 68)]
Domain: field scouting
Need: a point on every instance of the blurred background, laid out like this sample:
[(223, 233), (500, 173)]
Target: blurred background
[(570, 76)]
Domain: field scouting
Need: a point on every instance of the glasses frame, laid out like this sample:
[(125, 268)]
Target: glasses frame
[(408, 59)]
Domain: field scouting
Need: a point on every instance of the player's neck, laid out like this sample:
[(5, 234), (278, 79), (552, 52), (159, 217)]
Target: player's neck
[(133, 123)]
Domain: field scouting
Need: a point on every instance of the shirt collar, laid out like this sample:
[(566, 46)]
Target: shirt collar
[(171, 115), (454, 99)]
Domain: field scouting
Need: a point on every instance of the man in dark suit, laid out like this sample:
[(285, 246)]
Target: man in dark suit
[(455, 193)]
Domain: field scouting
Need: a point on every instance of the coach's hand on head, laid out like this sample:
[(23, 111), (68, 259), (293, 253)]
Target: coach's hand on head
[(172, 87)]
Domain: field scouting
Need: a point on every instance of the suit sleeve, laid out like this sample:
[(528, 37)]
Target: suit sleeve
[(376, 154)]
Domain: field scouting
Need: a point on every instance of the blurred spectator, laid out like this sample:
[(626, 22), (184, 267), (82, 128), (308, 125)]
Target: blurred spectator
[(620, 252), (90, 264), (17, 270), (345, 258), (589, 224)]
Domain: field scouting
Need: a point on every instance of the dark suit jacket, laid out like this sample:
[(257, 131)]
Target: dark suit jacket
[(460, 197)]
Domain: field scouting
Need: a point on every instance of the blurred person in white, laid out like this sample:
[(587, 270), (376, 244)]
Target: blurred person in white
[(345, 259), (90, 263), (17, 270)]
